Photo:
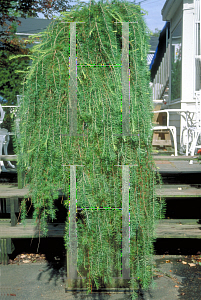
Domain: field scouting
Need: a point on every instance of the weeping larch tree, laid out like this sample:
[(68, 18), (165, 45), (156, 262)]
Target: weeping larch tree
[(44, 146)]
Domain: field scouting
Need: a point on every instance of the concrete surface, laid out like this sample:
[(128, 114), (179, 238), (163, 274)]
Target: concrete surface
[(174, 279)]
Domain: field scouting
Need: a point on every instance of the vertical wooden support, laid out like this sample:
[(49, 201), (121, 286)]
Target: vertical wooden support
[(125, 222), (73, 82), (4, 247), (20, 179), (3, 208), (72, 255), (125, 79), (13, 203), (3, 251), (10, 246), (12, 206)]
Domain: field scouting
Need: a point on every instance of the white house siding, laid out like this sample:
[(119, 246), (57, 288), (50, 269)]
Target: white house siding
[(188, 48)]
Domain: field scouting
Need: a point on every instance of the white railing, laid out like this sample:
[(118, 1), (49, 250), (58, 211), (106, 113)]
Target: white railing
[(162, 76)]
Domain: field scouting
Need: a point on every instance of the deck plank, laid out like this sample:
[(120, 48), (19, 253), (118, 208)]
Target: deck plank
[(178, 191), (177, 166), (178, 229), (174, 158), (12, 191), (167, 191), (167, 228), (30, 230)]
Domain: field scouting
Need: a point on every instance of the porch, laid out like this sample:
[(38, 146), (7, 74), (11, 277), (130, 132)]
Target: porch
[(175, 76)]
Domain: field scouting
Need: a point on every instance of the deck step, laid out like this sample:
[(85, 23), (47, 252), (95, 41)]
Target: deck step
[(30, 230), (179, 228), (166, 190), (167, 228), (179, 191)]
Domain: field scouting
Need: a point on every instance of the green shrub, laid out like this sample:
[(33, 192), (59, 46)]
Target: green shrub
[(42, 147)]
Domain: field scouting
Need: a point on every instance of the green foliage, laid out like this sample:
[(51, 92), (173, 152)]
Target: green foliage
[(42, 150), (156, 32), (11, 11), (10, 77)]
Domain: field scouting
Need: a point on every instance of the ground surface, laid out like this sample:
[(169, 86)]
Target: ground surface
[(31, 276)]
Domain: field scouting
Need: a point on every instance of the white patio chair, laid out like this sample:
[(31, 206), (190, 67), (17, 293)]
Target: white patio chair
[(4, 141), (193, 128), (172, 129)]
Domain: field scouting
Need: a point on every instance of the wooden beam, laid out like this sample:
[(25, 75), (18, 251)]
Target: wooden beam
[(178, 228), (20, 179), (175, 158), (155, 157), (11, 190), (3, 251), (166, 228), (178, 191), (12, 211), (73, 243), (30, 230)]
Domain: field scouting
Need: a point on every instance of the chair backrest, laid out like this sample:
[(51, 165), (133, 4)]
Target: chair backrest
[(159, 118), (155, 116), (2, 114)]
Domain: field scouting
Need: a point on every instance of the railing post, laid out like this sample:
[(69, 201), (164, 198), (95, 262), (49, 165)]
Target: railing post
[(125, 223), (20, 179), (72, 255), (72, 252), (73, 82), (125, 79)]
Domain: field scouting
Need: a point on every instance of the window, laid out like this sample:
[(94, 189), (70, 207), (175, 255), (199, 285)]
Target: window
[(176, 59), (197, 52)]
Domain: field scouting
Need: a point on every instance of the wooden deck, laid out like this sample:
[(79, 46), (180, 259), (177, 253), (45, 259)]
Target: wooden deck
[(174, 158), (171, 166), (12, 191), (167, 228), (30, 230), (179, 228), (166, 190), (179, 191)]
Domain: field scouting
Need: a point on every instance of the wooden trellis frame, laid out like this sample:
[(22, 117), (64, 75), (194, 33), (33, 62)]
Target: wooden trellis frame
[(73, 281), (72, 278)]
